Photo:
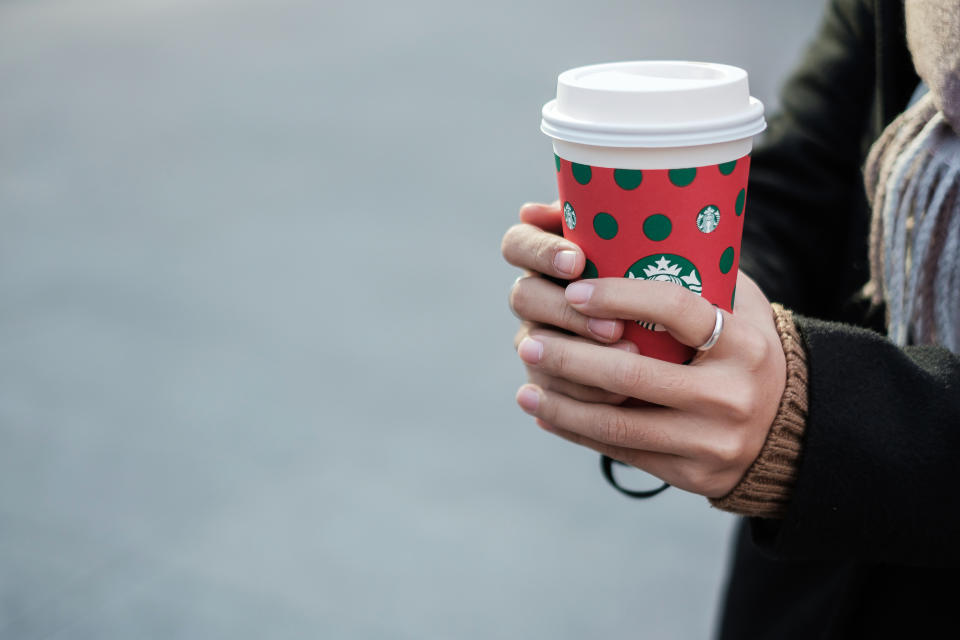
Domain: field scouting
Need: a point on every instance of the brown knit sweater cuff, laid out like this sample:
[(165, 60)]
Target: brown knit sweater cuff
[(764, 490)]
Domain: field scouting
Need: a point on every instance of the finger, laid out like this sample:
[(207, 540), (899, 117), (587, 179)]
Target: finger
[(546, 216), (536, 329), (661, 465), (687, 316), (637, 376), (530, 247), (528, 328), (655, 429), (561, 385), (537, 300), (572, 389), (680, 472)]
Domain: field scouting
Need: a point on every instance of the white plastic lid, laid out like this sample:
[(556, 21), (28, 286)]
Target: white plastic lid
[(653, 104)]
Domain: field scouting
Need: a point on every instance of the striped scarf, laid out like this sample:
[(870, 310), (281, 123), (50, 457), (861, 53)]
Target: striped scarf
[(912, 178)]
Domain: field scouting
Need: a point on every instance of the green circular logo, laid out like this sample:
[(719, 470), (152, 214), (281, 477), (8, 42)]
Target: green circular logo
[(569, 216), (665, 267), (708, 219)]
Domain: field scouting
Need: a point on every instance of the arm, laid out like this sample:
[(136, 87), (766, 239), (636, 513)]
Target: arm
[(876, 477), (862, 472)]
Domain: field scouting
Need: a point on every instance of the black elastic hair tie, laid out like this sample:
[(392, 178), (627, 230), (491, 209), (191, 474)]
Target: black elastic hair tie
[(606, 465)]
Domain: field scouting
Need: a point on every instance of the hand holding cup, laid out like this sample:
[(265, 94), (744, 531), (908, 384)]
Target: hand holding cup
[(535, 246), (652, 160), (706, 421)]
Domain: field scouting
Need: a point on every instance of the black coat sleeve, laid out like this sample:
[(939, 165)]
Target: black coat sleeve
[(877, 479)]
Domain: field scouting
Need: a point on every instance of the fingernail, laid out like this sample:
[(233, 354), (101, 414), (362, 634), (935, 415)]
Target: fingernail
[(528, 399), (579, 292), (530, 350), (565, 261), (602, 328)]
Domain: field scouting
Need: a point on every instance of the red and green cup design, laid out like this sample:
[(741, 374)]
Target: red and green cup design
[(677, 225)]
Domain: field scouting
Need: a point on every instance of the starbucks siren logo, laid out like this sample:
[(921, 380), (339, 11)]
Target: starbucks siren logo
[(665, 267), (708, 218), (569, 215)]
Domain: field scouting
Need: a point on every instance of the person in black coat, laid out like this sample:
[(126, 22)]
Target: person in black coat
[(836, 443)]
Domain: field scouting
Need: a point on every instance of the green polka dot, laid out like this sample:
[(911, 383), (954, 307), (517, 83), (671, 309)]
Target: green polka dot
[(628, 178), (657, 227), (556, 160), (581, 172), (726, 260), (605, 225), (733, 298), (741, 200), (590, 270), (682, 177), (726, 168)]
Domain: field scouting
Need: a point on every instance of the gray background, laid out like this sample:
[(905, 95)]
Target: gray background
[(256, 373)]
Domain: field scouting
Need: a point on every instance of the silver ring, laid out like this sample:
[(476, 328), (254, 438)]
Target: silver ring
[(717, 328)]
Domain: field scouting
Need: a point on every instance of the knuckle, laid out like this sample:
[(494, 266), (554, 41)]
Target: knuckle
[(543, 253), (717, 485), (707, 481), (680, 302), (742, 405), (567, 316), (561, 358), (614, 429), (627, 374), (755, 351), (728, 450), (697, 478), (673, 382)]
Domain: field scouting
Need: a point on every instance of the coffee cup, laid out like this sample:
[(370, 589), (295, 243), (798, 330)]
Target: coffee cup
[(652, 161)]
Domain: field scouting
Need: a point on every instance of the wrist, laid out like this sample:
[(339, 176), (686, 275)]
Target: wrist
[(764, 491)]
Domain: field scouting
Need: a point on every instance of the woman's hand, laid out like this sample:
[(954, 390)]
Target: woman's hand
[(536, 246), (709, 419)]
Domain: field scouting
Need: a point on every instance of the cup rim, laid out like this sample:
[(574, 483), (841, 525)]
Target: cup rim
[(744, 124)]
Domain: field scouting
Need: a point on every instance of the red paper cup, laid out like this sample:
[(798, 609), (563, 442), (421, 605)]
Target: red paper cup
[(674, 225), (652, 161)]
